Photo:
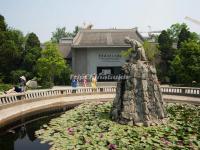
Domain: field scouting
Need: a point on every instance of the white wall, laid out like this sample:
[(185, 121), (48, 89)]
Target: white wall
[(103, 57)]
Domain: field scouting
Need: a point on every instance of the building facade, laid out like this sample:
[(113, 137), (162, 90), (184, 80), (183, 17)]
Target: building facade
[(98, 50)]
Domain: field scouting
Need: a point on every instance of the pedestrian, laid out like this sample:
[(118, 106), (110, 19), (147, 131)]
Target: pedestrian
[(74, 84), (77, 81), (13, 90), (22, 83), (85, 81), (94, 82)]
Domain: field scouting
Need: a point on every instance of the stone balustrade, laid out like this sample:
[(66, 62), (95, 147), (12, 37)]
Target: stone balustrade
[(51, 93), (183, 91)]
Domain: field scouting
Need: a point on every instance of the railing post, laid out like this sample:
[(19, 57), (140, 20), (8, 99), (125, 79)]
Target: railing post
[(183, 92)]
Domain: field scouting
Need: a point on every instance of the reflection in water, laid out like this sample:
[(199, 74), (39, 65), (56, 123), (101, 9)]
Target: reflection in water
[(23, 137)]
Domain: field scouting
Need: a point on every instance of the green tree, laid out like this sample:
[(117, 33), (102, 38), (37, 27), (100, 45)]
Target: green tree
[(64, 77), (10, 56), (62, 33), (3, 25), (32, 41), (17, 55), (194, 36), (17, 36), (176, 69), (167, 54), (51, 63), (16, 74), (179, 33), (11, 42), (175, 30), (76, 30), (183, 36), (186, 64), (31, 54), (152, 51), (59, 34), (2, 45), (126, 53)]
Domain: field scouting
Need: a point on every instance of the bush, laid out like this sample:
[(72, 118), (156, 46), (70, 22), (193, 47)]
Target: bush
[(5, 87), (64, 77), (46, 84), (16, 74)]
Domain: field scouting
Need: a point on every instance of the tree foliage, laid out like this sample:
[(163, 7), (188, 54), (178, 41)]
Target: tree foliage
[(186, 64), (11, 41), (3, 25), (174, 63), (175, 30), (183, 36), (64, 77), (165, 45), (76, 30), (166, 53), (62, 33), (21, 55), (32, 52), (51, 63), (16, 74), (59, 34), (32, 41), (151, 51), (126, 53)]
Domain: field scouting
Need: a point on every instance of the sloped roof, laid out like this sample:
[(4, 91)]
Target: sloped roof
[(65, 50), (105, 37)]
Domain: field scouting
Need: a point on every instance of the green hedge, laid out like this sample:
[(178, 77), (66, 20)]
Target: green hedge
[(5, 87)]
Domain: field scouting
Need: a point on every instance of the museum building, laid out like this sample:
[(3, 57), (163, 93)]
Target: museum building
[(97, 50)]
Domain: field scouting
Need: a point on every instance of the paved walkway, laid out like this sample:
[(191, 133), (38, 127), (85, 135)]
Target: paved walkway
[(19, 110), (182, 99)]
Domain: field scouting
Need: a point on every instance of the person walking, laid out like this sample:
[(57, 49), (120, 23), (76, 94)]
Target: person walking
[(22, 83), (85, 81), (94, 82), (74, 84)]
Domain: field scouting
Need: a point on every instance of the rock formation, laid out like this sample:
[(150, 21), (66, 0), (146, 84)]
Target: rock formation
[(138, 98)]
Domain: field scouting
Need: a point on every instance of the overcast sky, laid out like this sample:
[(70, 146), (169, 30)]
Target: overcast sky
[(43, 16)]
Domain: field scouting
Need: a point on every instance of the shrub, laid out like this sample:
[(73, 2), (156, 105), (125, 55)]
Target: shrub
[(5, 87)]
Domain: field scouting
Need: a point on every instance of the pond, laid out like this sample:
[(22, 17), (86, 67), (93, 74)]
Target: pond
[(20, 134), (23, 137)]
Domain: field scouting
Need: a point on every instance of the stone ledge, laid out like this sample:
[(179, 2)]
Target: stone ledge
[(4, 106), (10, 114), (63, 101)]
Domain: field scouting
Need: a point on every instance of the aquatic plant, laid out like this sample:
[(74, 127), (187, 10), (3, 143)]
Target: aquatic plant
[(89, 126)]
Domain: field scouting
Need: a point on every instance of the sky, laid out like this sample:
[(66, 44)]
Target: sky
[(44, 16)]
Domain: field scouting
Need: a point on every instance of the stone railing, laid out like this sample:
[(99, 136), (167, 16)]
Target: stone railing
[(183, 91), (51, 93)]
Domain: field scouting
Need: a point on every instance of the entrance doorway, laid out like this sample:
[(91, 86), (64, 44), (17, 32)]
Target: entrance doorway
[(108, 73)]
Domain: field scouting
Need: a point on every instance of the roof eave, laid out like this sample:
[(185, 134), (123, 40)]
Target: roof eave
[(100, 46)]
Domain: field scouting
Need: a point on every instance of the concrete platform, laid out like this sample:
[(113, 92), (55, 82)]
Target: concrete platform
[(181, 99), (10, 113)]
